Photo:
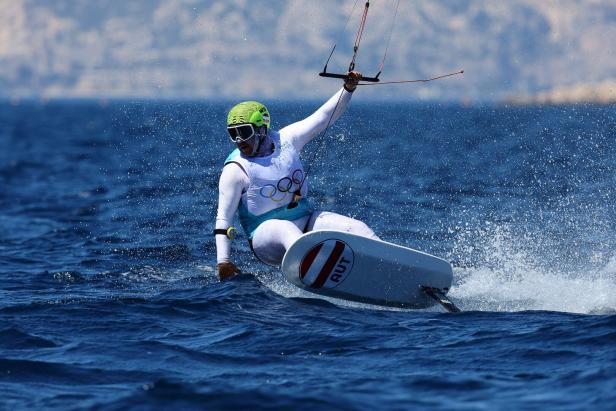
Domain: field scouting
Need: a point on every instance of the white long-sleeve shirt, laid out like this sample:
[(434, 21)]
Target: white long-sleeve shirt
[(234, 181)]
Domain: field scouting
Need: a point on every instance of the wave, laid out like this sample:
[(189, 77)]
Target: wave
[(15, 339)]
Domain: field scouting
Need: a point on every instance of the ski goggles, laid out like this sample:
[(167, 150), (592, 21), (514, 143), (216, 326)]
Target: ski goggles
[(241, 133)]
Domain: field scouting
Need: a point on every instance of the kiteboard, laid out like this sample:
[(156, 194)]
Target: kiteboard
[(355, 268)]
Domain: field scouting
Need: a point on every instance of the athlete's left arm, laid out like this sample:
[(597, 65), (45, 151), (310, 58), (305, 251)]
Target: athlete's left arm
[(301, 133)]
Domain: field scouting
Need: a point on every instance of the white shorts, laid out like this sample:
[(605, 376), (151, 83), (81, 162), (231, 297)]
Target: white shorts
[(273, 237)]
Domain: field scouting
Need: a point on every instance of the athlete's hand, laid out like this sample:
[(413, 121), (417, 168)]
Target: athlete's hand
[(350, 84), (227, 270)]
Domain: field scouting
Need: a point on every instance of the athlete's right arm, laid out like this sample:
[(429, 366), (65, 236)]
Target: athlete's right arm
[(233, 181)]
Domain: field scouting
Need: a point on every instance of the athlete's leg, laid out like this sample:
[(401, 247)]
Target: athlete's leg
[(272, 239), (325, 220)]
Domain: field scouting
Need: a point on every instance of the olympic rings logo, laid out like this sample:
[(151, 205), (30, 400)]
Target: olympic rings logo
[(285, 185)]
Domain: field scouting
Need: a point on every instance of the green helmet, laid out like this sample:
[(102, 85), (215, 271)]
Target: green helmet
[(249, 112)]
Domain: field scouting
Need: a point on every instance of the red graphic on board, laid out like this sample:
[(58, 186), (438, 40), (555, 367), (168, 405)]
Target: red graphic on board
[(327, 264)]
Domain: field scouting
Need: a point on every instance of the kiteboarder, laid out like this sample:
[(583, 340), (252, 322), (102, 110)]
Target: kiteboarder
[(264, 181)]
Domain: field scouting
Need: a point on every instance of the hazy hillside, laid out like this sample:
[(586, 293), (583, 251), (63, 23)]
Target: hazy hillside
[(275, 48)]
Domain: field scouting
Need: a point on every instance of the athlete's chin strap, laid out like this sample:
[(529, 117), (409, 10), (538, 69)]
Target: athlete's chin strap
[(229, 232)]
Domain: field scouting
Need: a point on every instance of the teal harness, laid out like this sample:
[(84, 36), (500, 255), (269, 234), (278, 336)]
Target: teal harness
[(250, 222)]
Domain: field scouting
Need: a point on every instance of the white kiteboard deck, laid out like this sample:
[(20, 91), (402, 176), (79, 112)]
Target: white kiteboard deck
[(347, 266)]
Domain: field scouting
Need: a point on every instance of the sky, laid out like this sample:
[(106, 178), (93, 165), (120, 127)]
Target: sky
[(198, 49)]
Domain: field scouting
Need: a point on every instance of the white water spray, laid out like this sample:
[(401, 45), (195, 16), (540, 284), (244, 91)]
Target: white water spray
[(513, 272)]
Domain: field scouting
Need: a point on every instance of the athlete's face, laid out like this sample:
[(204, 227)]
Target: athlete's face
[(245, 136)]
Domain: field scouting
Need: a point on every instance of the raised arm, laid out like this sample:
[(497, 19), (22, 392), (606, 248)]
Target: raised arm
[(232, 182), (300, 133)]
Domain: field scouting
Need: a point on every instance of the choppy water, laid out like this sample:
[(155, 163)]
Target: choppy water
[(109, 297)]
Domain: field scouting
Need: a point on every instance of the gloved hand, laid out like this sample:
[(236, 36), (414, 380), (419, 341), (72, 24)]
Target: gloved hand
[(227, 270), (350, 84)]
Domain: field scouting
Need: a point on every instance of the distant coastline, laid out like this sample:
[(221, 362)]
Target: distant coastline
[(597, 93)]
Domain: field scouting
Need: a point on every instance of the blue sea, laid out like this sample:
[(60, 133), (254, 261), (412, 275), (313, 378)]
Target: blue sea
[(109, 297)]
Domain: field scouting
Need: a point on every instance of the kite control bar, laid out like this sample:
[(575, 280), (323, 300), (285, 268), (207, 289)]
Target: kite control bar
[(374, 79)]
